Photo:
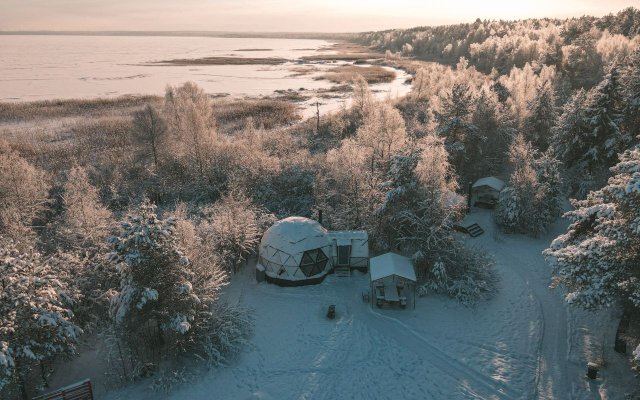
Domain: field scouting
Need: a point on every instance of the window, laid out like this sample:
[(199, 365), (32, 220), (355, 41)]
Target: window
[(313, 262)]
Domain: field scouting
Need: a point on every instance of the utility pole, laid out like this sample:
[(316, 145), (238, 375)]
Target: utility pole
[(317, 116)]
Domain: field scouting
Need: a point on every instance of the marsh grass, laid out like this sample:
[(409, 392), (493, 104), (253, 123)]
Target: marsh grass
[(266, 113), (346, 73)]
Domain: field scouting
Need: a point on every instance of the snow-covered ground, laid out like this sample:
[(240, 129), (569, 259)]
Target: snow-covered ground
[(522, 344)]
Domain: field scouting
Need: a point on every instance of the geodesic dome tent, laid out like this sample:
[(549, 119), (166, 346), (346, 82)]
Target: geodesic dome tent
[(295, 251)]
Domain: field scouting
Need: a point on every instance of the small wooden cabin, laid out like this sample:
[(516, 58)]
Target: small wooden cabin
[(485, 192)]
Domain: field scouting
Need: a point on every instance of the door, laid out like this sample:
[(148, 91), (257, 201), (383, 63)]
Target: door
[(344, 255)]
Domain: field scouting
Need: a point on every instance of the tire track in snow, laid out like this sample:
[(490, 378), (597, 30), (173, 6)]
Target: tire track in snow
[(454, 367), (551, 369)]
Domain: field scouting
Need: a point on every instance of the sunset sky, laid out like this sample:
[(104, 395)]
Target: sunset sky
[(280, 15)]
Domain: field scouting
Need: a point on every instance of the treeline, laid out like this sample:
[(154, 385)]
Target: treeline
[(579, 47)]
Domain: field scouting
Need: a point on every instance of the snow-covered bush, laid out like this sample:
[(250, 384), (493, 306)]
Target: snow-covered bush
[(232, 227), (465, 274), (225, 334), (597, 259), (36, 317)]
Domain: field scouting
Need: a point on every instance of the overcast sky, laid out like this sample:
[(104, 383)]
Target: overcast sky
[(280, 15)]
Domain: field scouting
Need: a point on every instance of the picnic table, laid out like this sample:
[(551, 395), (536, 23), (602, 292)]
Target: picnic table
[(391, 293)]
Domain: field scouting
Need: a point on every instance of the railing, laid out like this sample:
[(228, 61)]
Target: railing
[(77, 391)]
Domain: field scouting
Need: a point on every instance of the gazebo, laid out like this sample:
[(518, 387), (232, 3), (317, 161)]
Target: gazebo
[(391, 276), (485, 192)]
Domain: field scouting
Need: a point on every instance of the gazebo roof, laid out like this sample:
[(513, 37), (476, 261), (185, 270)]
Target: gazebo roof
[(391, 264)]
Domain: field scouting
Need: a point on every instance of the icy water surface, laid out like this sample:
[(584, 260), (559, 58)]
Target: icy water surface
[(62, 67)]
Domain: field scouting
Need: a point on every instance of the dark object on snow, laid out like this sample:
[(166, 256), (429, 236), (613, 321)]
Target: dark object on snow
[(365, 296), (260, 274), (77, 391), (620, 346), (331, 313), (473, 230), (592, 371)]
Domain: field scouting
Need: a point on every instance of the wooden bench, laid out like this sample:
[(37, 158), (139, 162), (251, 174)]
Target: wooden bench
[(77, 391)]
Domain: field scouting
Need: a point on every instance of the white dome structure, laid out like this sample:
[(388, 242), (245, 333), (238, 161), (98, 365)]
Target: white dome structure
[(295, 251)]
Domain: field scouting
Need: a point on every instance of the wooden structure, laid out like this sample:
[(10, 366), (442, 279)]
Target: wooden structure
[(473, 230), (392, 277), (77, 391), (485, 192)]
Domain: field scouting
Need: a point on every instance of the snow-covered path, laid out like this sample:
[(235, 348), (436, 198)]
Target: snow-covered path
[(522, 344)]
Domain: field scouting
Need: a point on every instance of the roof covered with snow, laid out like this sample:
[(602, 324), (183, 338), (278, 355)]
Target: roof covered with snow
[(294, 235), (345, 237), (391, 264), (490, 181)]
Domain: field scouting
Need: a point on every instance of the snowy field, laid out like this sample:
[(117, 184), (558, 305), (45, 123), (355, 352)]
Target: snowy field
[(522, 344)]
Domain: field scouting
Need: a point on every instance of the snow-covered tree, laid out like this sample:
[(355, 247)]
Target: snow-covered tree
[(455, 125), (402, 194), (550, 194), (165, 303), (233, 227), (349, 190), (566, 141), (362, 98), (84, 216), (383, 133), (190, 116), (36, 318), (23, 194), (531, 200), (541, 117), (582, 62), (150, 131), (596, 261), (631, 83), (155, 279), (603, 140), (494, 131)]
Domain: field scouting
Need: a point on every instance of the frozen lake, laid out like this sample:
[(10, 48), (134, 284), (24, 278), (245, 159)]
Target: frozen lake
[(61, 67)]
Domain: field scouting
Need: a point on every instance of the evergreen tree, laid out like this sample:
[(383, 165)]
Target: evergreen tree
[(36, 318), (402, 194), (582, 61), (631, 78), (566, 141), (455, 125), (603, 139), (597, 259), (532, 199), (541, 117), (164, 303), (495, 131)]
